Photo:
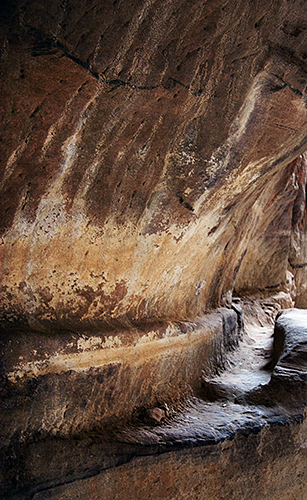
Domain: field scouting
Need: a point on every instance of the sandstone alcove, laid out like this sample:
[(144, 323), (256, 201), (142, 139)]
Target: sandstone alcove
[(153, 249)]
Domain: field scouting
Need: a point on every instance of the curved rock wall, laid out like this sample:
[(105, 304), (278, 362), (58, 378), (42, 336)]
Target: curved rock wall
[(153, 164), (148, 158), (298, 244)]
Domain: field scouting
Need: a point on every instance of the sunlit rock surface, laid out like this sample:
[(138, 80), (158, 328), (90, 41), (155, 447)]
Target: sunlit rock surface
[(148, 154), (153, 173)]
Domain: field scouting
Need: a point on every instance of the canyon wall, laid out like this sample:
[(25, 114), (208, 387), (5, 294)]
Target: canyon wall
[(148, 158), (153, 175)]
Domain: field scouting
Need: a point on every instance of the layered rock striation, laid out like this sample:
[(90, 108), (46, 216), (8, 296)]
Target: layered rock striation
[(153, 172), (149, 163)]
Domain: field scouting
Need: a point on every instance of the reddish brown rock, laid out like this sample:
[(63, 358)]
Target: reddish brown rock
[(153, 162), (147, 159), (298, 245)]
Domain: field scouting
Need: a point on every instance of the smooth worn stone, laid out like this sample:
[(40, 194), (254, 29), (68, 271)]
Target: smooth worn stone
[(288, 384), (290, 336), (189, 449)]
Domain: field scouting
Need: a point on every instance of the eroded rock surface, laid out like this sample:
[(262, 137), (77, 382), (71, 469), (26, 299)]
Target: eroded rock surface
[(289, 335), (149, 161), (92, 384), (153, 166), (226, 439)]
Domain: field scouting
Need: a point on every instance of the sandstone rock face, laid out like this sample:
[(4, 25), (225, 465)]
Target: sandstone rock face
[(289, 336), (153, 171), (298, 243), (246, 439), (71, 386), (148, 154), (224, 471)]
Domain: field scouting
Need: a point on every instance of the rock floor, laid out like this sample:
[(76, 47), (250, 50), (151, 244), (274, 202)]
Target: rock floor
[(236, 426), (213, 414)]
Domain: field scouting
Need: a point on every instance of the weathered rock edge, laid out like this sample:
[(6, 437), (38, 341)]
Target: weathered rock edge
[(69, 386), (276, 414)]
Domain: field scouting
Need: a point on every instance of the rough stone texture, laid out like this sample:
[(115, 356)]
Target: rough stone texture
[(244, 468), (94, 383), (298, 244), (153, 162), (141, 154), (227, 446)]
